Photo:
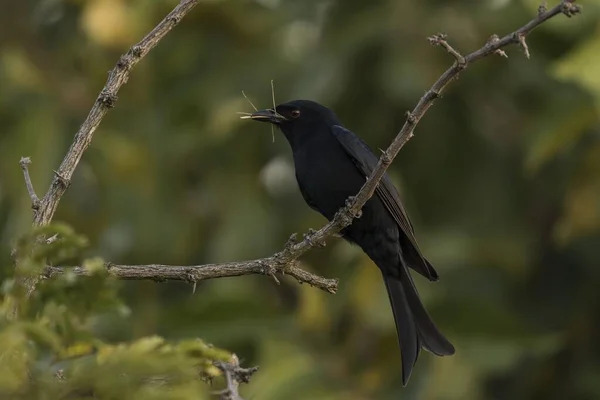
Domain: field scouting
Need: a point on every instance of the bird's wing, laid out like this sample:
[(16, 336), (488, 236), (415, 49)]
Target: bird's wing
[(366, 161)]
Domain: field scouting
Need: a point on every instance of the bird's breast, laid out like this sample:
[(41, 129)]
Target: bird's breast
[(326, 175)]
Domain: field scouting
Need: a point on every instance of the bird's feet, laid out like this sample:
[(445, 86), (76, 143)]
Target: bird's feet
[(349, 204)]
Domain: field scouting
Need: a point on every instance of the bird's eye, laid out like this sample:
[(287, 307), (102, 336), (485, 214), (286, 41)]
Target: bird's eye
[(295, 113)]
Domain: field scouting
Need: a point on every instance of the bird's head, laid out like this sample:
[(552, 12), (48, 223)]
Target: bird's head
[(298, 120)]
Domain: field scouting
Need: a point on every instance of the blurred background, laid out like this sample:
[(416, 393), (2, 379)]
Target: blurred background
[(502, 182)]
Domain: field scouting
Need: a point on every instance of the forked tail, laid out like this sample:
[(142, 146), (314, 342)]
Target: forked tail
[(413, 324)]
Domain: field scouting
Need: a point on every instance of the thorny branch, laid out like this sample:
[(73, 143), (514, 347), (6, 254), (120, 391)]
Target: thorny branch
[(195, 273), (107, 98), (44, 209), (234, 375), (284, 261)]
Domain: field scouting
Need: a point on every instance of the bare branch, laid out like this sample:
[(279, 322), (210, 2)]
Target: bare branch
[(196, 273), (106, 100), (35, 201), (234, 375), (117, 77)]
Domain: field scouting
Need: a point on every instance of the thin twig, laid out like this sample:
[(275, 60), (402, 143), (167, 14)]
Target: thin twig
[(249, 101), (440, 40), (523, 43), (492, 41), (35, 201)]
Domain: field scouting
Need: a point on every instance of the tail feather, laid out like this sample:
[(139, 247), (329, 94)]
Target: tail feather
[(413, 324), (433, 340), (406, 329)]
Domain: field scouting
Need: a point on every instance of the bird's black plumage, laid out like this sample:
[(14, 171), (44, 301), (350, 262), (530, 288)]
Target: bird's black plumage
[(331, 165)]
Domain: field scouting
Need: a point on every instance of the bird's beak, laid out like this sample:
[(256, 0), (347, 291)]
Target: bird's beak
[(266, 116)]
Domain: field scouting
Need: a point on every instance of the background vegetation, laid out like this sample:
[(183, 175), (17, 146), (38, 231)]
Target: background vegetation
[(502, 181)]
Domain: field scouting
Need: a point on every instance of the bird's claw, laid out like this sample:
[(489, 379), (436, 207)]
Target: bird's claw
[(349, 204)]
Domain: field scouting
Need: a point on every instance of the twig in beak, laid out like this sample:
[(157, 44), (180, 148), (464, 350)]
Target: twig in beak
[(274, 109), (244, 115), (246, 97)]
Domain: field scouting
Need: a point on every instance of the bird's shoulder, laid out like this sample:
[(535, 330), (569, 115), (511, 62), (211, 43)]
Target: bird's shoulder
[(366, 161), (353, 144)]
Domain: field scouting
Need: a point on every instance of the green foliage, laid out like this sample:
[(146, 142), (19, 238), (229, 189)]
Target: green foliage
[(52, 348)]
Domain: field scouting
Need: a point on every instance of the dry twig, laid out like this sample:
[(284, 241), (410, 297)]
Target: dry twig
[(234, 375), (195, 273), (35, 201)]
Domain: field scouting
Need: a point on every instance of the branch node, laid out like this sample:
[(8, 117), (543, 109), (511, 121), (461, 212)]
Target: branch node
[(137, 51), (190, 277), (123, 62), (174, 19), (494, 38), (62, 180), (410, 118), (35, 201), (433, 94), (271, 271), (492, 41), (542, 8), (107, 98), (440, 40), (309, 236), (570, 9), (385, 157)]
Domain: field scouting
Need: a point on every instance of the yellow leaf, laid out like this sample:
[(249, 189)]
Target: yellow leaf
[(108, 22), (147, 344), (79, 349)]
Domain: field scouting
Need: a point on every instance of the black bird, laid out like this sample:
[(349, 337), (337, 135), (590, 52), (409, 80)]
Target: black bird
[(331, 165)]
